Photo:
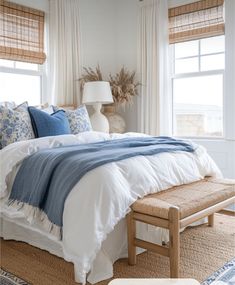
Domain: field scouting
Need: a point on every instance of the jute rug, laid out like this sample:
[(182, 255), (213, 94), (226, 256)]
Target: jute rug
[(203, 251)]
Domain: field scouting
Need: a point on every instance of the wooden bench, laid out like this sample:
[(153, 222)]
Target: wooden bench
[(174, 209)]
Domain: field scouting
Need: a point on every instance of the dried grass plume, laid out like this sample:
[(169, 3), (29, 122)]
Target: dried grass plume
[(123, 84), (124, 87), (90, 75)]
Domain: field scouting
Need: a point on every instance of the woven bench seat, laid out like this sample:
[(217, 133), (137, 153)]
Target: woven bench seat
[(175, 209), (189, 198)]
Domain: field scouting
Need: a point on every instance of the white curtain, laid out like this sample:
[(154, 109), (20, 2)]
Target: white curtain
[(64, 52), (154, 104)]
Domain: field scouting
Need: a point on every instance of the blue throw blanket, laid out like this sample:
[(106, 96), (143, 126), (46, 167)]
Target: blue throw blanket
[(45, 178)]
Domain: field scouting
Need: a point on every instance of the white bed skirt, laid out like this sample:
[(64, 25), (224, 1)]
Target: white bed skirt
[(113, 248)]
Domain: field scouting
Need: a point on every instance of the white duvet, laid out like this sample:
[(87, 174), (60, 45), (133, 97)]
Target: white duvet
[(101, 199)]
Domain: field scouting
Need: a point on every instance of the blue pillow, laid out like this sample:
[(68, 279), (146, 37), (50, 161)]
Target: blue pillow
[(49, 125)]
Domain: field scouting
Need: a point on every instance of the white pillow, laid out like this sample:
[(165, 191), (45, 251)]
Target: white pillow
[(8, 104)]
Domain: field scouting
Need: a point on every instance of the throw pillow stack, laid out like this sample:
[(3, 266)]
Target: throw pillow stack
[(21, 122)]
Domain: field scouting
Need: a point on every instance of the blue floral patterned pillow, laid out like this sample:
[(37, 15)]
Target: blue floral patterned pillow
[(15, 125), (79, 120)]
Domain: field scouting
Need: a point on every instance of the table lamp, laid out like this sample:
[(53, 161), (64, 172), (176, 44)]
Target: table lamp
[(96, 93)]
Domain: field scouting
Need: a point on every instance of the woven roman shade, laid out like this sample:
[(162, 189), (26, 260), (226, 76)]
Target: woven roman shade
[(197, 20), (21, 33)]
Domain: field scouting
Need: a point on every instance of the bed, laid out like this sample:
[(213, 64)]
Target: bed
[(94, 227)]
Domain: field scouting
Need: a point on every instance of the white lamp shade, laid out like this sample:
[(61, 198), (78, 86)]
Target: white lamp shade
[(97, 92)]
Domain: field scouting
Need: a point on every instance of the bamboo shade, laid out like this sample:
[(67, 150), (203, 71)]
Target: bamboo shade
[(21, 33), (197, 20)]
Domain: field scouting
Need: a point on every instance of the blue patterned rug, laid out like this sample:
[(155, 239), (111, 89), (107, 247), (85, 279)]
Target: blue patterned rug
[(224, 276), (7, 278)]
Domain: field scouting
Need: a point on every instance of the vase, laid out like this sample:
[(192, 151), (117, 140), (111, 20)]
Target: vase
[(116, 122)]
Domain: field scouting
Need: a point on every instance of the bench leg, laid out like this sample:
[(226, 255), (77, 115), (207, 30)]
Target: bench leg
[(174, 245), (211, 220), (131, 234)]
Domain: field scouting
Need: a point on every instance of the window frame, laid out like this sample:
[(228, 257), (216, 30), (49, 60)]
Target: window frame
[(40, 72), (199, 73)]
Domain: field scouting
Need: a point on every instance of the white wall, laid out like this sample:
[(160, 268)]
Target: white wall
[(109, 37), (127, 46), (175, 3), (36, 4), (98, 31)]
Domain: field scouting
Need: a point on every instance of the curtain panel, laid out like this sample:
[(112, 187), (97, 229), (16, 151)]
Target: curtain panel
[(154, 108), (64, 52), (21, 33)]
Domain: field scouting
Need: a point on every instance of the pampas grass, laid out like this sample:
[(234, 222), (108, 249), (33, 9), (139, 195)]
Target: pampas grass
[(123, 84), (90, 75), (124, 87)]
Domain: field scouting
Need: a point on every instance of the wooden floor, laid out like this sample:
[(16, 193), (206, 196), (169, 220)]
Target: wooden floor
[(203, 250)]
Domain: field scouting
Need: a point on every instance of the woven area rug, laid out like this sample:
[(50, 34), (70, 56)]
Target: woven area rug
[(203, 251), (7, 278), (224, 276)]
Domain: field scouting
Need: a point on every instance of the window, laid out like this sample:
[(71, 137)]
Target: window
[(21, 53), (196, 35), (20, 81), (197, 86)]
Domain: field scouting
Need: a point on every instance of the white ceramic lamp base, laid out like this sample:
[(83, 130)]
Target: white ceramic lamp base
[(98, 121)]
